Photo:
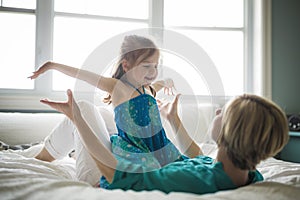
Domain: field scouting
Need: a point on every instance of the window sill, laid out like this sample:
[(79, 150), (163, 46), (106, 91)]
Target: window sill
[(20, 103)]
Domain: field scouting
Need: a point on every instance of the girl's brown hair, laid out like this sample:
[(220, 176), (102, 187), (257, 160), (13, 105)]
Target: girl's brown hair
[(134, 49)]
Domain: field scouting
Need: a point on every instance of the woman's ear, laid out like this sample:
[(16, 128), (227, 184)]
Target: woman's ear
[(125, 65)]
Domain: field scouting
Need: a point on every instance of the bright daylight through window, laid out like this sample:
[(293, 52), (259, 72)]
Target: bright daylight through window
[(77, 27)]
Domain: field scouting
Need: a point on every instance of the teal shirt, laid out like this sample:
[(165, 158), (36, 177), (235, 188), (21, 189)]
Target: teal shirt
[(198, 175)]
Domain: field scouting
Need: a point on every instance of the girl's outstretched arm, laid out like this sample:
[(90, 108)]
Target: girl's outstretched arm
[(186, 144), (105, 160), (101, 82)]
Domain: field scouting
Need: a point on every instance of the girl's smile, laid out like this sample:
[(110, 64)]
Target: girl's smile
[(145, 72)]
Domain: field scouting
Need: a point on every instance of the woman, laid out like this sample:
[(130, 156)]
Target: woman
[(251, 129)]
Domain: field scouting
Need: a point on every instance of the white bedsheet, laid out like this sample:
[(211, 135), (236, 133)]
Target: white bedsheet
[(23, 177)]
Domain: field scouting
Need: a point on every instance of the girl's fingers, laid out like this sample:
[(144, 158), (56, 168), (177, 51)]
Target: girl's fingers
[(31, 77), (170, 90), (161, 103), (158, 102), (35, 74), (165, 90)]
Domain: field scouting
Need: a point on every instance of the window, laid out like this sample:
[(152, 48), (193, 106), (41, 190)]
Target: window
[(17, 50), (76, 35), (112, 8), (28, 4), (204, 13), (67, 31), (218, 27)]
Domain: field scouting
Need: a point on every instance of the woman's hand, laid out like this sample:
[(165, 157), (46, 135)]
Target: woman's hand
[(185, 143), (45, 67), (169, 110), (69, 108), (215, 126)]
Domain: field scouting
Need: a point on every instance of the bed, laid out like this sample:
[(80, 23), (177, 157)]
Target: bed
[(23, 177)]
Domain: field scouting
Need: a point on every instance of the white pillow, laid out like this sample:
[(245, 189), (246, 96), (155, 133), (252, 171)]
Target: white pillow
[(107, 115), (25, 128)]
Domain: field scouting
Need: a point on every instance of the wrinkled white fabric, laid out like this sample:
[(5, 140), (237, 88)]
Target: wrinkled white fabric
[(22, 177)]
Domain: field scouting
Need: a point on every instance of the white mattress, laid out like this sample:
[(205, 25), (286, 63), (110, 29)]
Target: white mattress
[(22, 177)]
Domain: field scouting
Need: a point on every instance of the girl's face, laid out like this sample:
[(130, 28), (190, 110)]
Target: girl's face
[(145, 72)]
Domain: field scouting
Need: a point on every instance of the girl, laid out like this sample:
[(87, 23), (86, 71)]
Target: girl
[(251, 129), (140, 136)]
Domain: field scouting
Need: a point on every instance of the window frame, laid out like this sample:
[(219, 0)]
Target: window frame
[(257, 27)]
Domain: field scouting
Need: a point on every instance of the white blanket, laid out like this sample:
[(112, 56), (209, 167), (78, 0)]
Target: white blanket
[(23, 177)]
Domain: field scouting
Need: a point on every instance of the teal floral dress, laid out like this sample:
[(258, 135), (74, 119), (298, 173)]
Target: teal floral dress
[(141, 138)]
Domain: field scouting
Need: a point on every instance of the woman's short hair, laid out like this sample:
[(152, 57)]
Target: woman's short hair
[(253, 129)]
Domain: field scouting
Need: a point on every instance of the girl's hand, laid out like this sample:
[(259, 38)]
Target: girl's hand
[(45, 67), (169, 87), (169, 110), (69, 108)]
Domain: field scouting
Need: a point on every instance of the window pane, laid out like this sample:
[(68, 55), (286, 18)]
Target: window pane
[(225, 48), (208, 13), (29, 4), (187, 78), (17, 50), (75, 39), (116, 8)]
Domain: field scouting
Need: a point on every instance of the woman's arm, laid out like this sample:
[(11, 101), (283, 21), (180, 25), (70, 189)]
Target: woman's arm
[(186, 144), (101, 82), (105, 160)]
